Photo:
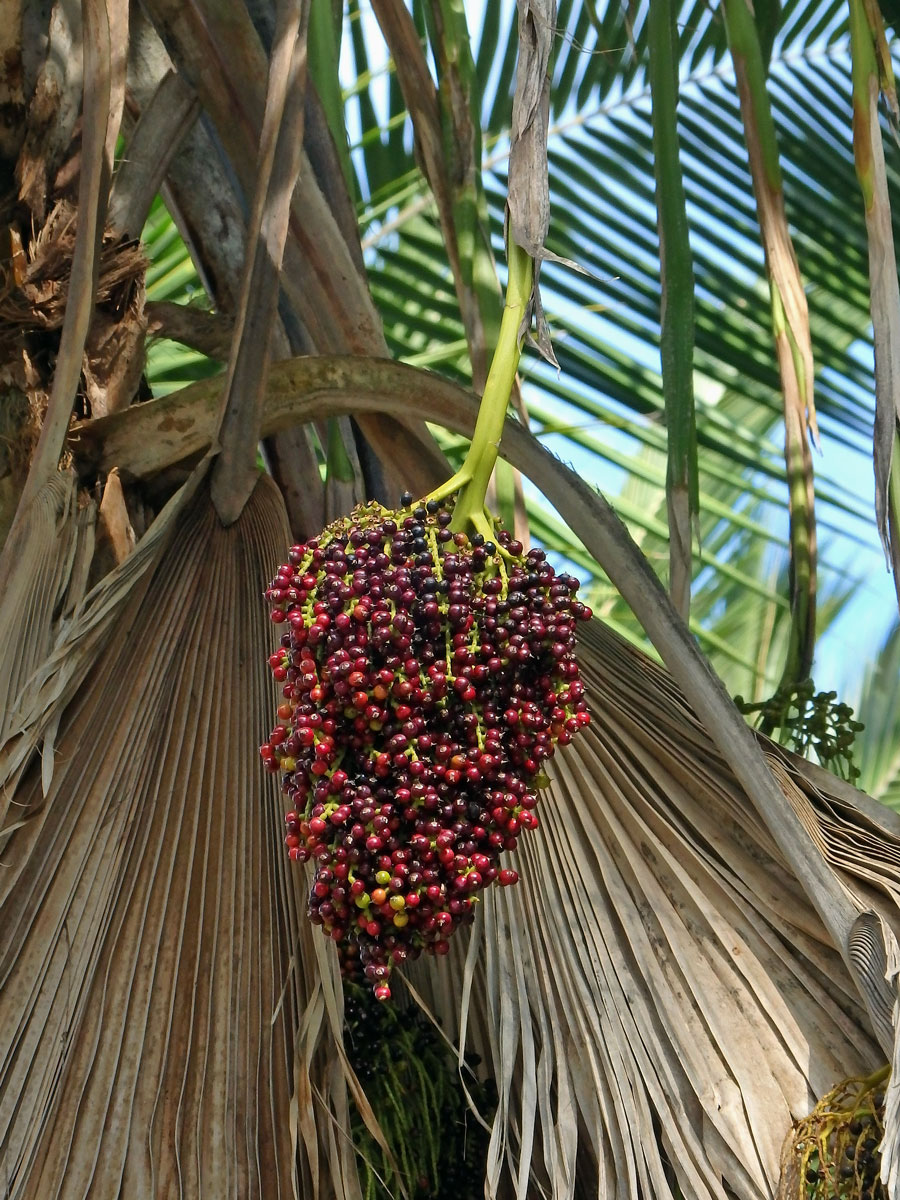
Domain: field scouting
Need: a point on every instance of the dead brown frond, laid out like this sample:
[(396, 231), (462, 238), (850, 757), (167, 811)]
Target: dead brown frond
[(163, 1007), (55, 538), (662, 999)]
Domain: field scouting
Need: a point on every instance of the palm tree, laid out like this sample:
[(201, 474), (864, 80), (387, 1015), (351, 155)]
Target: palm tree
[(698, 949)]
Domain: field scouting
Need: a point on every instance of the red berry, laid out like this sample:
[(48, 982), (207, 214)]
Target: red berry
[(435, 692)]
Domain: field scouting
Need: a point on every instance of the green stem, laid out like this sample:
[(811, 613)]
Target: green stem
[(473, 477), (877, 1077)]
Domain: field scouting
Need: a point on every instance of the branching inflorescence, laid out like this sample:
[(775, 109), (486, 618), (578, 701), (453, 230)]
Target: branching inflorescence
[(426, 675), (428, 670)]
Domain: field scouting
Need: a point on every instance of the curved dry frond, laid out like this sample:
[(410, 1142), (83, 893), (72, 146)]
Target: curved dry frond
[(665, 995), (165, 1013), (51, 650)]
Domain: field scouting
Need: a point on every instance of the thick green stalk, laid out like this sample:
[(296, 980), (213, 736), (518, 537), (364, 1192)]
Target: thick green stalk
[(865, 76), (801, 499), (743, 40), (472, 479), (463, 206)]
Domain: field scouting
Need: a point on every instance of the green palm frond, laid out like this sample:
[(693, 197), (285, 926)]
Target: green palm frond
[(607, 401), (172, 276), (878, 745)]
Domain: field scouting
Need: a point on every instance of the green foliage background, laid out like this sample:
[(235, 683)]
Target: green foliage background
[(603, 411)]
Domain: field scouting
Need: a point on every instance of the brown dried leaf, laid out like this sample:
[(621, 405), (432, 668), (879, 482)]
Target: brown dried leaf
[(114, 524), (529, 191), (155, 966), (114, 356), (35, 602), (528, 199)]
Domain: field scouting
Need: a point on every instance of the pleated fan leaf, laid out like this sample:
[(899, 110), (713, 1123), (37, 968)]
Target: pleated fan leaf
[(61, 648), (665, 998), (56, 539), (162, 1004)]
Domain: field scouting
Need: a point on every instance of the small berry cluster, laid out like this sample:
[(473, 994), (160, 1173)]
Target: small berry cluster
[(804, 719), (835, 1152), (426, 676)]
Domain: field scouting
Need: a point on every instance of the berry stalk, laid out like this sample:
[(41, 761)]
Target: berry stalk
[(473, 477), (428, 672)]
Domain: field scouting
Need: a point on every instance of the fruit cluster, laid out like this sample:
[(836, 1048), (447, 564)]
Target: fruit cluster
[(835, 1152), (426, 677), (804, 719)]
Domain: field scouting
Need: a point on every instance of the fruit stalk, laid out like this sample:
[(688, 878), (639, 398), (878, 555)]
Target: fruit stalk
[(473, 477), (428, 672)]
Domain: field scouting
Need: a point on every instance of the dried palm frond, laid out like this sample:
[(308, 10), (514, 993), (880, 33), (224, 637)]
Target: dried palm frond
[(57, 536), (665, 998), (154, 963), (51, 649), (675, 999), (669, 992), (169, 1026), (49, 296)]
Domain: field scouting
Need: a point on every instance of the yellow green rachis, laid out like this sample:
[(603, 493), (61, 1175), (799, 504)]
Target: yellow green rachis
[(835, 1152)]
